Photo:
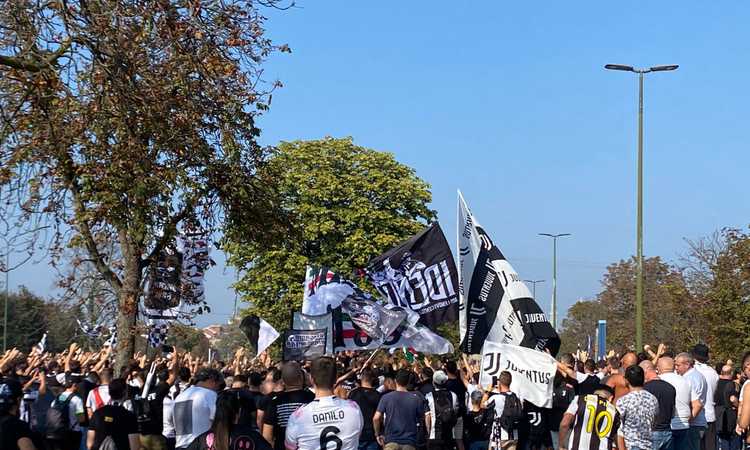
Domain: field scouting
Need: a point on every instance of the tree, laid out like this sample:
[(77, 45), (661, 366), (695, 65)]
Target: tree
[(126, 121), (348, 204), (728, 297), (580, 323), (670, 314)]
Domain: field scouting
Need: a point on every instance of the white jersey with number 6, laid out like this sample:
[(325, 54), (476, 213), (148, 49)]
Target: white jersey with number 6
[(327, 423)]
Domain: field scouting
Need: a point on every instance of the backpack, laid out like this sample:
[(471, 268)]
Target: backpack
[(513, 414), (58, 419), (445, 415)]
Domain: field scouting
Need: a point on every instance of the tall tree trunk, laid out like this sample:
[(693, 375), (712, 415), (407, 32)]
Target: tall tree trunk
[(127, 311)]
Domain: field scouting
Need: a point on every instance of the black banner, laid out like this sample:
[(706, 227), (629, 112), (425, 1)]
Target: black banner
[(537, 331), (301, 345), (419, 274)]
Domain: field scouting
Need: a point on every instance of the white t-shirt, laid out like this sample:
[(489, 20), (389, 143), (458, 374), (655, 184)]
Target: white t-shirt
[(698, 384), (712, 380), (75, 407), (683, 398), (326, 422), (193, 413), (497, 401), (91, 403), (430, 398)]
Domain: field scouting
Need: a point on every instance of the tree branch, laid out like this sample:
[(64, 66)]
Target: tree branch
[(29, 65)]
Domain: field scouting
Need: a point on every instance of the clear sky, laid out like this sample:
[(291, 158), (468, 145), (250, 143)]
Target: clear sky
[(509, 102)]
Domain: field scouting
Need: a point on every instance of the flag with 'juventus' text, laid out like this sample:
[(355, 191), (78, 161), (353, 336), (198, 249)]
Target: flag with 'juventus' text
[(495, 304)]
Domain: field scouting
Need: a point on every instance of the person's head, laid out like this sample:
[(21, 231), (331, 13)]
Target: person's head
[(292, 375), (589, 366), (10, 397), (629, 359), (209, 378), (683, 362), (613, 363), (745, 367), (451, 368), (634, 376), (239, 381), (504, 380), (605, 392), (727, 372), (323, 373), (118, 389), (601, 365), (642, 356), (184, 374), (71, 382), (367, 378), (476, 398), (227, 413), (649, 370), (402, 378), (665, 364), (106, 375), (427, 374), (568, 360), (162, 375), (255, 380), (700, 353), (439, 378)]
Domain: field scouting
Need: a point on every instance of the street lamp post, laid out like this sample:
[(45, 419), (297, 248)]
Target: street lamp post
[(7, 294), (554, 273), (639, 219), (533, 286)]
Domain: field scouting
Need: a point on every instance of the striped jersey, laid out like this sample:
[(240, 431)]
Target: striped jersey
[(596, 423)]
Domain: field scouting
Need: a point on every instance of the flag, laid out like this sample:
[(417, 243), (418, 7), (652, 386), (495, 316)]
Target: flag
[(323, 289), (495, 305), (111, 342), (260, 333), (372, 317), (348, 336), (301, 345), (419, 274), (42, 345), (302, 321), (532, 371), (158, 322)]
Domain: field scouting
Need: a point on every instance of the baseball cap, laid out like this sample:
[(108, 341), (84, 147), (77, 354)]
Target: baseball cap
[(439, 378)]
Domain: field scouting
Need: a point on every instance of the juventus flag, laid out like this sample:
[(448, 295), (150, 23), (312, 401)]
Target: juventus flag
[(495, 305), (419, 274), (260, 333), (301, 345), (323, 289), (533, 372)]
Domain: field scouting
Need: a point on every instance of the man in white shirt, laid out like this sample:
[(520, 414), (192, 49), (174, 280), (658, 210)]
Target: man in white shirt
[(439, 437), (502, 438), (194, 408), (684, 396), (684, 365), (700, 354), (327, 419), (99, 396)]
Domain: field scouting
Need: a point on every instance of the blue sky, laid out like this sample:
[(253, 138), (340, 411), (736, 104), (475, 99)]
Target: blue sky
[(510, 103)]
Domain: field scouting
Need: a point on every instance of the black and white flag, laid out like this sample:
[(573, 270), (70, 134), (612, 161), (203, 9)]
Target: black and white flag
[(372, 317), (301, 345), (495, 304), (260, 333), (419, 274)]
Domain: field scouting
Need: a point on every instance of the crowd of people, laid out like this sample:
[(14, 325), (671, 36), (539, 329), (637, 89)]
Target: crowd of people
[(651, 400)]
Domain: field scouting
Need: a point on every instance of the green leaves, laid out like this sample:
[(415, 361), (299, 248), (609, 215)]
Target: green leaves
[(346, 204)]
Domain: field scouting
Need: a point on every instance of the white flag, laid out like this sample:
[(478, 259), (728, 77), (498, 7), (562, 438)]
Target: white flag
[(302, 321), (324, 288), (533, 372), (42, 345)]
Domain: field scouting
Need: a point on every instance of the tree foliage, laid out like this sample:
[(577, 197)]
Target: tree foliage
[(124, 121), (348, 204)]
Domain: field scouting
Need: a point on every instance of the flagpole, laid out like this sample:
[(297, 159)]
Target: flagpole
[(372, 355)]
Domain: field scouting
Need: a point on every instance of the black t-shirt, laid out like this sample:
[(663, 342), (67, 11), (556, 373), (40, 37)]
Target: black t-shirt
[(248, 408), (115, 421), (280, 407), (367, 399), (562, 395), (457, 387), (587, 386), (425, 387), (84, 387), (536, 428), (11, 430), (725, 389), (665, 394), (478, 425), (241, 437), (156, 410)]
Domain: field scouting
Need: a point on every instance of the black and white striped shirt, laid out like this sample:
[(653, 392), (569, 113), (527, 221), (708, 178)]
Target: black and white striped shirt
[(596, 424)]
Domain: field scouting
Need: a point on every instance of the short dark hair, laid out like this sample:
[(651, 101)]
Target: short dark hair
[(634, 375), (451, 367), (589, 365), (402, 377), (613, 362), (505, 378), (106, 374), (291, 374), (567, 358), (255, 379), (368, 376), (117, 389), (208, 374), (427, 373), (184, 374), (323, 372), (241, 378)]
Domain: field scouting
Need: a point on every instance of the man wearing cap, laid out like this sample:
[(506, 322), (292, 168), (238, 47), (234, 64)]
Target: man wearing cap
[(14, 433), (440, 435), (700, 355)]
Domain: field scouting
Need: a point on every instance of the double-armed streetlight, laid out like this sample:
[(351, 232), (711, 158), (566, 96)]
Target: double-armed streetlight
[(639, 231), (554, 273), (533, 286)]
